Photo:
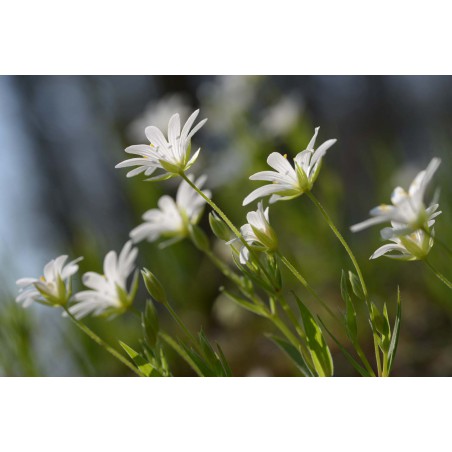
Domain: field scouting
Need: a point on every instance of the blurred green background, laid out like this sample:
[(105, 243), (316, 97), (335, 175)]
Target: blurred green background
[(61, 136)]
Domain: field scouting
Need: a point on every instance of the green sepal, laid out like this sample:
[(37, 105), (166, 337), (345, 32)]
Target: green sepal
[(318, 348), (170, 167), (294, 354), (52, 300), (356, 286)]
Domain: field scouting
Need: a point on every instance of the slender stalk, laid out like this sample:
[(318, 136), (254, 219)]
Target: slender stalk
[(364, 360), (182, 326), (341, 239), (102, 343), (231, 275), (291, 315), (385, 370), (229, 223), (303, 281), (355, 264), (181, 352), (439, 275)]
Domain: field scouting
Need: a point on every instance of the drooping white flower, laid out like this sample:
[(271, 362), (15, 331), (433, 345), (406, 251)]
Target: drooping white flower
[(108, 294), (173, 217), (257, 233), (408, 247), (53, 288), (172, 155), (290, 181), (408, 209)]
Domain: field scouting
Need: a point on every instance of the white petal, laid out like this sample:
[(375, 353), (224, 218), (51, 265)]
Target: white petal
[(261, 192), (280, 164), (386, 249), (365, 224), (311, 144), (320, 152)]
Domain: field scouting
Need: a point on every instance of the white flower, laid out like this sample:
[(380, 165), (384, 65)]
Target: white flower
[(173, 217), (408, 210), (289, 182), (53, 288), (108, 294), (257, 233), (172, 155), (410, 247)]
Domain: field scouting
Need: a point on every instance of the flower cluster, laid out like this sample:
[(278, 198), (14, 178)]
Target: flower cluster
[(411, 231)]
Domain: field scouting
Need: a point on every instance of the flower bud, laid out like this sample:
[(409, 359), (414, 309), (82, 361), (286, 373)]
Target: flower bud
[(153, 286), (199, 237), (219, 227)]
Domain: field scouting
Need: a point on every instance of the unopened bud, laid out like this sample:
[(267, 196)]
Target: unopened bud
[(153, 286), (219, 227)]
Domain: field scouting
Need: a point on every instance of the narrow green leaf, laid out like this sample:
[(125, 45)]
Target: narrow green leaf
[(361, 370), (356, 285), (224, 362), (256, 309), (144, 367), (294, 354), (350, 311), (320, 352), (395, 332), (181, 352)]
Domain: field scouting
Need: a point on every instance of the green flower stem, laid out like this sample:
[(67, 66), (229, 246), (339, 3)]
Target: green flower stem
[(231, 275), (102, 343), (181, 352), (229, 223), (385, 370), (363, 358), (355, 264), (303, 281), (182, 326), (291, 315), (439, 275), (341, 239)]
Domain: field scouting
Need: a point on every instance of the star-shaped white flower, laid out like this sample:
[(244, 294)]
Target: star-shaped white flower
[(53, 288), (290, 181), (172, 155), (173, 217), (408, 247), (108, 294), (408, 209), (257, 233)]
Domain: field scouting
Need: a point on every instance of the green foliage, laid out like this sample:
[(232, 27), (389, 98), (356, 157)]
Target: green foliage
[(317, 346)]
